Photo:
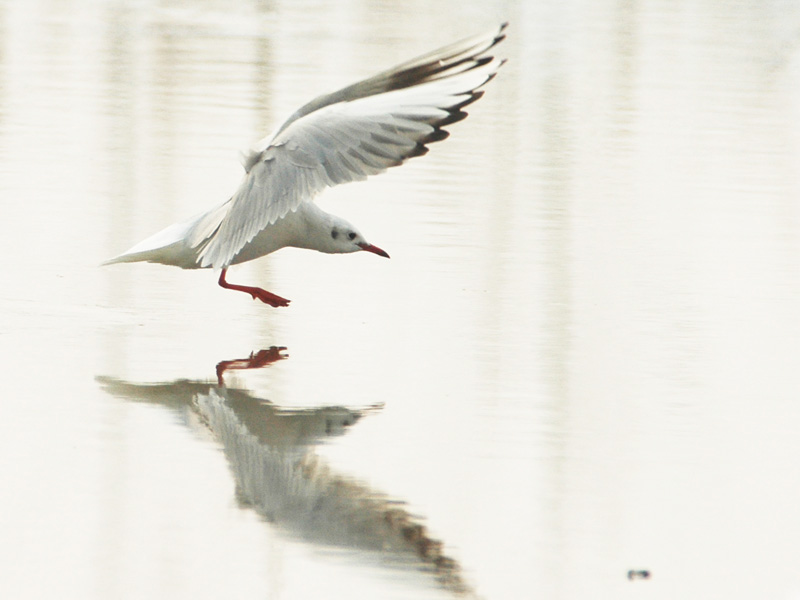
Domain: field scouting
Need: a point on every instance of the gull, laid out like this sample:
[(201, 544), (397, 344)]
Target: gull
[(348, 135)]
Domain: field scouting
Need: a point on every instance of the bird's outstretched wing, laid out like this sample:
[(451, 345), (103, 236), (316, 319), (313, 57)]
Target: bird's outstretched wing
[(360, 130)]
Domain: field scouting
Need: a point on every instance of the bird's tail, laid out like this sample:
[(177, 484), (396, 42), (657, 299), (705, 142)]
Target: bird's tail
[(178, 245)]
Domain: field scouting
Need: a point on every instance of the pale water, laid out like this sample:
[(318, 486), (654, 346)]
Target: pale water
[(582, 358)]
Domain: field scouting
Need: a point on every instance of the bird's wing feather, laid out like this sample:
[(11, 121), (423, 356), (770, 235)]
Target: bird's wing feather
[(443, 62), (351, 138)]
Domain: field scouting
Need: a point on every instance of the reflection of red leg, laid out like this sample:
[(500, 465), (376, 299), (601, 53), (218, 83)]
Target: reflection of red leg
[(257, 293), (262, 358)]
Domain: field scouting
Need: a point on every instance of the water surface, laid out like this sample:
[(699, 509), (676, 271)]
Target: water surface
[(580, 360)]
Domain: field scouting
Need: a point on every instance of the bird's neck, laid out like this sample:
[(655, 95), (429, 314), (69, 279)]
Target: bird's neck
[(314, 228)]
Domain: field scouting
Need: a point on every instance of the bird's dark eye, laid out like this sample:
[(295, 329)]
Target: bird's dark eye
[(334, 234), (352, 235)]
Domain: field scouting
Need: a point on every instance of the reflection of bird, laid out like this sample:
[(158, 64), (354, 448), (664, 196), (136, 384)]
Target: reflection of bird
[(360, 130), (278, 474), (302, 495)]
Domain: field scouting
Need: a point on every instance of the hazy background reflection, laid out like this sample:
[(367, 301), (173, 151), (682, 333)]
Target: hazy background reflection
[(581, 359)]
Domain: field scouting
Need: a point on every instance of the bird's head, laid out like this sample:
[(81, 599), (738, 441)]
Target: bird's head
[(344, 237), (331, 234)]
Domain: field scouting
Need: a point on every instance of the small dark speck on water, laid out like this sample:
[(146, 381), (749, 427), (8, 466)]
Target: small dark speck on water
[(638, 574)]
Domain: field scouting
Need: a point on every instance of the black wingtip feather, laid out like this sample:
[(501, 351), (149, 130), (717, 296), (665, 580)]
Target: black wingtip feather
[(436, 136), (474, 95), (454, 117), (419, 150)]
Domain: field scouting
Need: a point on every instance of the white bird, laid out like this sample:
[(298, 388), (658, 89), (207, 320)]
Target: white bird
[(360, 130)]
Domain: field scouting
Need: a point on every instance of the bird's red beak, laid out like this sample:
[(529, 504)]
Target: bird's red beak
[(373, 249)]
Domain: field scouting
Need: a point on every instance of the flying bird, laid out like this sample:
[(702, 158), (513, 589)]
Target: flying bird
[(360, 130)]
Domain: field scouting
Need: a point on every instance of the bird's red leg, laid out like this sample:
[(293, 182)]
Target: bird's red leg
[(257, 293)]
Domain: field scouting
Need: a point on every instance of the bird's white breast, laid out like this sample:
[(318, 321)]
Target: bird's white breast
[(295, 229)]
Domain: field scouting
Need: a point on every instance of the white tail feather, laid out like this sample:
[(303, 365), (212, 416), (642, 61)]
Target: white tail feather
[(178, 245)]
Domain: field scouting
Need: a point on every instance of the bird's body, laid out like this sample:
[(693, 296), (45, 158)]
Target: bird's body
[(358, 131), (174, 245)]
